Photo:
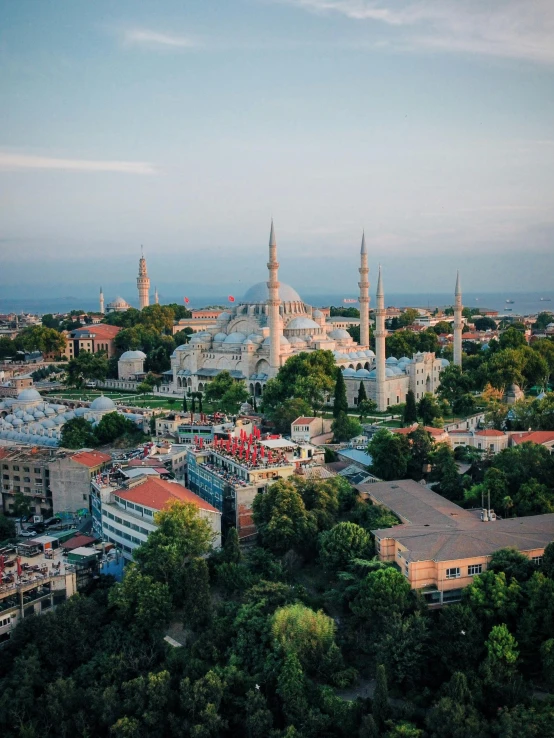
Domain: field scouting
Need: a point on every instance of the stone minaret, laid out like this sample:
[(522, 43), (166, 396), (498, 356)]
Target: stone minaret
[(380, 349), (458, 325), (363, 284), (156, 298), (143, 283), (101, 301), (274, 303)]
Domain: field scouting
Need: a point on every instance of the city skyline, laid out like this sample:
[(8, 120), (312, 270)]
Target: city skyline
[(427, 125)]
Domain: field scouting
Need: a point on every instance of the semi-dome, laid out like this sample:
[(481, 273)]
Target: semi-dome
[(302, 324), (260, 293), (131, 355), (220, 337), (102, 403), (28, 395), (339, 334), (235, 337)]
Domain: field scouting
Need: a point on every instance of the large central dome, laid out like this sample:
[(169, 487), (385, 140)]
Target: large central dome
[(260, 293)]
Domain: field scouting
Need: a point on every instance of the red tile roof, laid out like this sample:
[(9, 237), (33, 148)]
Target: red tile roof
[(158, 493), (91, 458), (411, 428), (76, 541), (533, 437), (490, 432), (303, 421)]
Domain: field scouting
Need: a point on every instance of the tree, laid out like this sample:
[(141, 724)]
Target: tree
[(381, 594), (442, 327), (309, 635), (180, 535), (40, 338), (502, 651), (490, 596), (403, 649), (7, 527), (198, 601), (291, 688), (444, 471), (281, 517), (547, 565), (454, 385), (309, 375), (410, 409), (143, 603), (362, 394), (380, 703), (484, 324), (514, 564), (184, 403), (115, 425), (407, 317), (365, 408), (389, 454), (428, 409), (226, 393), (340, 401), (512, 339), (344, 428), (78, 433), (231, 549), (341, 544), (258, 720), (287, 412), (86, 366), (454, 715), (421, 447)]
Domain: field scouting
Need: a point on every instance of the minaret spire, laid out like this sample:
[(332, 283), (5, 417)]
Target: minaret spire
[(101, 300), (156, 298), (458, 324), (380, 346), (363, 299), (274, 303), (143, 282)]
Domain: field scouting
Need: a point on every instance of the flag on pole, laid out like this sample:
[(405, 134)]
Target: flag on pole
[(231, 298), (186, 300)]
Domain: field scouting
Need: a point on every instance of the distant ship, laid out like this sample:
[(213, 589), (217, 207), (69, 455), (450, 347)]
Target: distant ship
[(509, 310), (350, 299), (546, 299), (509, 302)]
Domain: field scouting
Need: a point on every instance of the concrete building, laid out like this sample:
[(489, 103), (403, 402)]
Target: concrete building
[(305, 429), (200, 320), (70, 478), (125, 515), (229, 474), (439, 546), (130, 365), (489, 439), (33, 592), (93, 338), (26, 471)]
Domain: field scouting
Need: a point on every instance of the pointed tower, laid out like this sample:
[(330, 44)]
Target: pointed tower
[(274, 303), (363, 284), (458, 325), (143, 282), (380, 347), (156, 298), (101, 301)]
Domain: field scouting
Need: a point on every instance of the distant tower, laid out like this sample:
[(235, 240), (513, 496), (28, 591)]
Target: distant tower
[(380, 347), (458, 322), (363, 284), (143, 283), (101, 301), (274, 303), (156, 298)]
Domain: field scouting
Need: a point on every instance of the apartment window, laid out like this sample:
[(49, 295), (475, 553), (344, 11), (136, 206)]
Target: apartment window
[(36, 471), (130, 505), (16, 468), (27, 479), (148, 512), (537, 560), (16, 479), (126, 523), (474, 569), (38, 481), (453, 573), (6, 476)]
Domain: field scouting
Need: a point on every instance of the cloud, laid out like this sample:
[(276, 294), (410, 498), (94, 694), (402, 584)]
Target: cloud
[(154, 39), (518, 29), (29, 161)]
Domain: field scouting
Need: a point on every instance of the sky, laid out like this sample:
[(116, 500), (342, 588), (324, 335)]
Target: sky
[(187, 126)]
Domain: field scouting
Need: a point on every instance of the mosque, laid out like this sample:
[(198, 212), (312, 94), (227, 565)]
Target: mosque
[(271, 323), (27, 418), (119, 305)]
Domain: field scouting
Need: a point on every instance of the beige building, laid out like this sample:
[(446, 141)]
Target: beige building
[(93, 338), (439, 546), (490, 440), (303, 430), (70, 478)]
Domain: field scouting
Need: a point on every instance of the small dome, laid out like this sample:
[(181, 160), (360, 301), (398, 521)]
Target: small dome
[(70, 415), (302, 324), (236, 337), (373, 373), (198, 338), (296, 340), (49, 410), (283, 340), (10, 418), (404, 360), (392, 360), (38, 413), (485, 347), (19, 413), (59, 420), (118, 302), (220, 337), (101, 403), (349, 372), (28, 395), (248, 342), (339, 334), (445, 362), (256, 337), (224, 317), (182, 347), (317, 314), (28, 418), (362, 373), (389, 372), (17, 421), (131, 355)]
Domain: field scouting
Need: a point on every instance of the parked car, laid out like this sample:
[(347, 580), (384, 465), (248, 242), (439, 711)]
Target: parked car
[(52, 521), (27, 534), (37, 529)]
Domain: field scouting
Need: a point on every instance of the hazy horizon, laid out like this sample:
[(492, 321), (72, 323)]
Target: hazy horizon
[(185, 129)]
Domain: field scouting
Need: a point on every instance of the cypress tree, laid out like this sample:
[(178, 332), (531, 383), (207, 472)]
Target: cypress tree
[(198, 599), (362, 394), (231, 549), (184, 403), (340, 402), (193, 403), (380, 705), (368, 729), (199, 395), (410, 409)]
